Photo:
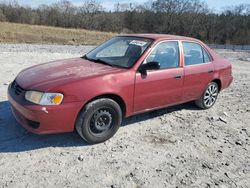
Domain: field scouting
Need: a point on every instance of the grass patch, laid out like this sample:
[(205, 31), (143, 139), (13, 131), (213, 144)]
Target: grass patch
[(34, 34)]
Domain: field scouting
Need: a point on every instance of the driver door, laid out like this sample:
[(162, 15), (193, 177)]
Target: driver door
[(162, 87)]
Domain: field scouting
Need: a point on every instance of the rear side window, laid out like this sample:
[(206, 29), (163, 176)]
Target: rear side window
[(194, 54)]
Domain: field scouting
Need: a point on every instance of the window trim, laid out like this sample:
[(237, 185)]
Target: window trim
[(202, 47), (158, 43)]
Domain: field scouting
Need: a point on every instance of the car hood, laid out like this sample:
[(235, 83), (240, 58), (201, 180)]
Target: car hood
[(52, 74)]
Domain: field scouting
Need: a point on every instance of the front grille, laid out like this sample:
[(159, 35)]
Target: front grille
[(17, 89)]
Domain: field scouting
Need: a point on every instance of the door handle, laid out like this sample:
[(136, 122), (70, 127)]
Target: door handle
[(178, 77), (210, 71)]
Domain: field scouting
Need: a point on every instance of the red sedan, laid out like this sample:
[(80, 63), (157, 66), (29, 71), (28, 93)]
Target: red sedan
[(127, 75)]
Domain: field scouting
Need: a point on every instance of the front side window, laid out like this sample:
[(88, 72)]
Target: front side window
[(194, 54), (166, 54), (119, 51)]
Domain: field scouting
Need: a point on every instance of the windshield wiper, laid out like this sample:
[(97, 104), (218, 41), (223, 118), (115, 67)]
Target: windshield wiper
[(98, 61), (85, 57)]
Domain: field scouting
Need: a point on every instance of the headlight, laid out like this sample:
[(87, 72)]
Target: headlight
[(44, 98)]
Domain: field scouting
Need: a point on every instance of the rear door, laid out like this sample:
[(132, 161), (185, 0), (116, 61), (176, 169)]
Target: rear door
[(198, 70), (163, 87)]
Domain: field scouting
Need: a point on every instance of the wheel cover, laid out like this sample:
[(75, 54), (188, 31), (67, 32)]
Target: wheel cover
[(101, 122), (210, 95)]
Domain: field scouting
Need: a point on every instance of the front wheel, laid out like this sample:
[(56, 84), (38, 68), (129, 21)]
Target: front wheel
[(99, 120), (209, 97)]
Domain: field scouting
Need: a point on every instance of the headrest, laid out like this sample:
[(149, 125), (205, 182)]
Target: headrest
[(195, 53), (170, 51), (133, 50)]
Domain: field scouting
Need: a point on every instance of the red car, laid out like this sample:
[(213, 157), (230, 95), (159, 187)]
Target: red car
[(127, 75)]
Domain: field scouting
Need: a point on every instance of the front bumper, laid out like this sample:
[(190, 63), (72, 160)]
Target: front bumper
[(43, 119)]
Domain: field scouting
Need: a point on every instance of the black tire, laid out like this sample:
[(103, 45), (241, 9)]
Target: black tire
[(203, 102), (99, 120)]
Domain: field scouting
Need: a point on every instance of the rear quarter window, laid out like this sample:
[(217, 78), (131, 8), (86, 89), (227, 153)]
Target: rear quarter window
[(206, 56)]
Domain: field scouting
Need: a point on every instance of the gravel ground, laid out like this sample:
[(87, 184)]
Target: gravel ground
[(180, 146)]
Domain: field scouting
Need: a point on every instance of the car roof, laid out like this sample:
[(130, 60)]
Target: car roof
[(161, 36)]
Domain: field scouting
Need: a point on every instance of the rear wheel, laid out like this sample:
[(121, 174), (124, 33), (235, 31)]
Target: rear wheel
[(209, 97), (99, 120)]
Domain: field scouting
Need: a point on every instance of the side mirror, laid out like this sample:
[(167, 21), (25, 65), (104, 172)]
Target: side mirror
[(153, 65)]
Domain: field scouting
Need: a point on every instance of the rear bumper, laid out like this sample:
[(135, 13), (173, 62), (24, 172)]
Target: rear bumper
[(44, 119)]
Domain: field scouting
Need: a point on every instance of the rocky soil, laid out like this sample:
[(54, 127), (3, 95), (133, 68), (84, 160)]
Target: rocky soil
[(180, 146)]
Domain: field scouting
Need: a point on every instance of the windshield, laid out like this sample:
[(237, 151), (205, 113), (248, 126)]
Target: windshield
[(119, 51)]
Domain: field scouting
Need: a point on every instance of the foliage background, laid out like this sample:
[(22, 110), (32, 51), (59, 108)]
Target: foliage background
[(181, 17)]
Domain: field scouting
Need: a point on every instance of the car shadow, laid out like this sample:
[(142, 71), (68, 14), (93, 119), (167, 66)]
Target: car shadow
[(14, 138), (156, 113)]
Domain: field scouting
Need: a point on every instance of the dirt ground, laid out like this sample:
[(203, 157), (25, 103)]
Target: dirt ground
[(180, 146), (38, 34)]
